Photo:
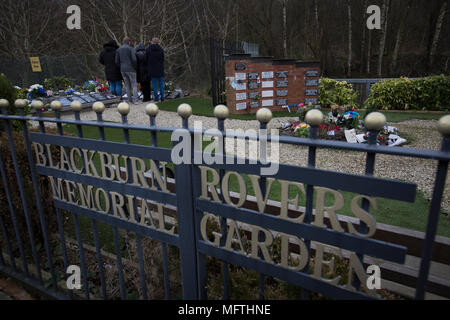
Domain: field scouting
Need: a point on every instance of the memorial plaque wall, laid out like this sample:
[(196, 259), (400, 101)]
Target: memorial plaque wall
[(254, 104), (312, 83), (312, 73), (253, 75), (282, 93), (311, 92), (311, 100), (240, 66), (269, 83), (253, 95), (282, 84), (253, 85), (282, 102), (282, 74)]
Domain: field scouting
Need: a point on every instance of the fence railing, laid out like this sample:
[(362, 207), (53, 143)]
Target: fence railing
[(99, 192)]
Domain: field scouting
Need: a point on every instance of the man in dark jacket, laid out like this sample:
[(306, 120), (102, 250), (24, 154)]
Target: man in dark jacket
[(108, 59), (126, 59), (142, 71), (155, 58)]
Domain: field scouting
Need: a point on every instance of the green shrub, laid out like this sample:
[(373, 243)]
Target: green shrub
[(8, 92), (332, 92), (58, 83), (431, 93)]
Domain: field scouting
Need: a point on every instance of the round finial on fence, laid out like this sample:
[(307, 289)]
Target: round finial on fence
[(444, 125), (56, 105), (35, 104), (20, 103), (4, 103), (264, 115), (98, 107), (221, 112), (314, 118), (375, 121), (184, 111), (152, 110), (123, 108), (76, 106)]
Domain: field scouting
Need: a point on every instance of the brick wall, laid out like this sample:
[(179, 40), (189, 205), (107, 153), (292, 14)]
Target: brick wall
[(255, 87)]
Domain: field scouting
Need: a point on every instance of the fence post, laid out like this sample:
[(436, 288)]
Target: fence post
[(435, 210), (186, 219)]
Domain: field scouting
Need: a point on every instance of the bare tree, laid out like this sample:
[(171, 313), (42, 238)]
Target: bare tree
[(349, 59), (384, 19), (437, 33)]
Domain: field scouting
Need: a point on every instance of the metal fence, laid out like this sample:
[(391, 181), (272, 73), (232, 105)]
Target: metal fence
[(194, 198)]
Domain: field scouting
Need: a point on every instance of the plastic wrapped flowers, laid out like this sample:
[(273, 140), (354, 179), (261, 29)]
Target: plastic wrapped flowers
[(36, 91)]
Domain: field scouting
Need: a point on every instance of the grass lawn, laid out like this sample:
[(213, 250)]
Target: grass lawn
[(203, 107), (407, 215)]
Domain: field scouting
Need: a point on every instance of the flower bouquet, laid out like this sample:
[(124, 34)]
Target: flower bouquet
[(36, 91)]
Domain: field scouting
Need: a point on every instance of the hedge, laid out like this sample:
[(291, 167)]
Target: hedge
[(332, 92), (431, 93)]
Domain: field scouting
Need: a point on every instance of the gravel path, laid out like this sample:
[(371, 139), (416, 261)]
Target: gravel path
[(420, 171)]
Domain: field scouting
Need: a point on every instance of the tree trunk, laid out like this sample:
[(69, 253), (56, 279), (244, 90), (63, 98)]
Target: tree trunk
[(399, 39), (369, 53), (437, 33), (349, 61), (385, 14), (363, 41), (284, 6)]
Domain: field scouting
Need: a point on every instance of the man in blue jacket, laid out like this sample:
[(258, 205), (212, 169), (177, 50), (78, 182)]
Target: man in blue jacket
[(126, 60), (155, 64)]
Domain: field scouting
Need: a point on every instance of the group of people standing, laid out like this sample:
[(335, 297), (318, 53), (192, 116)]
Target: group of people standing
[(143, 66)]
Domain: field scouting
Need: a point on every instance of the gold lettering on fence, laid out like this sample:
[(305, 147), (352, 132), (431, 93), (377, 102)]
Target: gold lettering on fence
[(284, 250)]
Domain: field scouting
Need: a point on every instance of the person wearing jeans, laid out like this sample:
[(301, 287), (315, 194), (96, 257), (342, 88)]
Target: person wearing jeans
[(158, 82), (155, 63), (126, 60), (116, 87), (112, 71)]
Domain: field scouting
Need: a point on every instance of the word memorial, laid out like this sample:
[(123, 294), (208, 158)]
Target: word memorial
[(92, 178)]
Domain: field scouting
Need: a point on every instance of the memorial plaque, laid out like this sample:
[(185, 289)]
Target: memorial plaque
[(254, 104), (282, 84), (241, 96), (311, 92), (267, 75), (282, 74), (312, 83), (267, 94), (253, 75), (77, 98), (241, 106), (240, 66), (311, 100), (64, 102), (253, 85), (240, 76), (99, 97), (267, 103), (267, 84), (282, 93), (282, 102), (253, 95), (241, 86), (312, 73), (88, 99)]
